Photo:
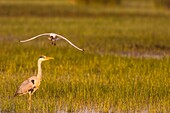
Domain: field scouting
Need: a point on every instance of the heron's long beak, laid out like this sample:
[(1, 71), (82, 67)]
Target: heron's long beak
[(49, 58)]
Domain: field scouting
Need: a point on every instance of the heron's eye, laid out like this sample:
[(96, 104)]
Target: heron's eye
[(42, 56)]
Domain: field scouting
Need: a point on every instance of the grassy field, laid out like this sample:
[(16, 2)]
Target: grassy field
[(125, 66)]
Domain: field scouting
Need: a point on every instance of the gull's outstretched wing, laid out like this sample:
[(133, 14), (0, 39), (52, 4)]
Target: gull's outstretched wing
[(44, 34), (69, 42)]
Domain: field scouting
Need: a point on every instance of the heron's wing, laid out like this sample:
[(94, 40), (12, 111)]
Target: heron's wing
[(24, 87), (44, 34), (69, 42)]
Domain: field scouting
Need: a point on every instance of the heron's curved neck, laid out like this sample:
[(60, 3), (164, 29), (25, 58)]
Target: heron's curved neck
[(39, 75)]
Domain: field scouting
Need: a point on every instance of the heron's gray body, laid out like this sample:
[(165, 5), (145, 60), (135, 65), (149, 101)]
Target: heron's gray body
[(28, 86)]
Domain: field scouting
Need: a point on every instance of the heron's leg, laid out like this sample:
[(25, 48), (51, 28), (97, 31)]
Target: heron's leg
[(29, 97), (29, 101)]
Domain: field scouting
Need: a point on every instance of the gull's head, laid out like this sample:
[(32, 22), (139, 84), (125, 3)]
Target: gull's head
[(52, 36), (44, 58)]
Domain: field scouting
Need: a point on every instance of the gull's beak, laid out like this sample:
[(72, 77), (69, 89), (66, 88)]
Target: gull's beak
[(49, 58), (49, 38)]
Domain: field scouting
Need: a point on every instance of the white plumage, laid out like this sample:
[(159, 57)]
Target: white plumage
[(53, 38)]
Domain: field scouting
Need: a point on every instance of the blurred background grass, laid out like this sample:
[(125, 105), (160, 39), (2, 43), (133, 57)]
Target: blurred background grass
[(125, 66)]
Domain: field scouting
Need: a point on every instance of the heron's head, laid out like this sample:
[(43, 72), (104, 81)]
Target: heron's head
[(44, 58)]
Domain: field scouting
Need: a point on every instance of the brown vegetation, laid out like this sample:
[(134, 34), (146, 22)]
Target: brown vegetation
[(163, 3), (99, 2)]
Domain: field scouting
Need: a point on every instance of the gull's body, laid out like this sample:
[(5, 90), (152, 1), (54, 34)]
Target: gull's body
[(53, 38), (32, 84)]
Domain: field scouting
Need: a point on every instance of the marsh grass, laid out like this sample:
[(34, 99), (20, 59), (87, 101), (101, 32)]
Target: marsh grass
[(96, 80)]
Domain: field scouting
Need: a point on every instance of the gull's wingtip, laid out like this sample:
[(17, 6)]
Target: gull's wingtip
[(20, 41)]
